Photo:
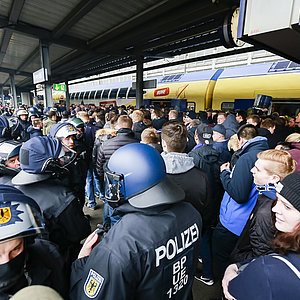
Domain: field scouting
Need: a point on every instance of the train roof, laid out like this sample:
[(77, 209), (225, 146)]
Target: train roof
[(261, 69), (193, 76)]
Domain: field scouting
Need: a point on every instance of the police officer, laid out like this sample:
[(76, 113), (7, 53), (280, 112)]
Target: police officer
[(9, 161), (5, 133), (151, 252), (72, 140), (19, 130), (25, 259), (42, 163)]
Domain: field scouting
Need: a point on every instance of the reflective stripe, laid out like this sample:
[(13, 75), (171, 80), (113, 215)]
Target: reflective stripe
[(290, 265)]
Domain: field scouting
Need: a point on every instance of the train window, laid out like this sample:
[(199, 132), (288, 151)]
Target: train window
[(122, 93), (92, 94), (72, 96), (105, 94), (98, 94), (113, 94), (76, 96), (81, 95), (132, 93), (294, 65), (227, 105), (86, 95)]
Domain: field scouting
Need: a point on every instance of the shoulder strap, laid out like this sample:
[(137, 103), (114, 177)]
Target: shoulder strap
[(289, 264)]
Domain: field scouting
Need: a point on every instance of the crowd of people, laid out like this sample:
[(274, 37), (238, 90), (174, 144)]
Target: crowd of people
[(211, 196)]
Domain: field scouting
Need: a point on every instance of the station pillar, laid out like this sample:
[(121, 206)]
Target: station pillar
[(2, 94), (45, 62), (25, 97), (139, 81), (67, 96), (13, 90)]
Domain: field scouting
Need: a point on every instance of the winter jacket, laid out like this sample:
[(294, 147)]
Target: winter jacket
[(240, 192), (47, 125), (221, 147), (102, 135), (138, 128), (192, 180), (34, 131), (63, 215), (258, 232), (44, 266), (231, 126), (124, 136), (272, 277), (148, 254), (206, 158), (19, 131), (159, 122), (295, 153)]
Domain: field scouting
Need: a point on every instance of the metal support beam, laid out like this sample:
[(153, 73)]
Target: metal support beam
[(45, 63), (15, 12), (67, 96), (139, 81), (13, 90)]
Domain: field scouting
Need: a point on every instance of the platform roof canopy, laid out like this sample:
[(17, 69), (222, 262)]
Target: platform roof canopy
[(88, 37)]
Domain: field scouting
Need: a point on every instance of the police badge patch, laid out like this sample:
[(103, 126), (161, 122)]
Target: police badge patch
[(93, 284)]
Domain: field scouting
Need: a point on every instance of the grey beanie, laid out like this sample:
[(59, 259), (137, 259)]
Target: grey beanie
[(220, 128), (289, 188)]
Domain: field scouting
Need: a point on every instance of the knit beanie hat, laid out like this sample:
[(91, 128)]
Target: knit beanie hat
[(220, 128), (289, 188)]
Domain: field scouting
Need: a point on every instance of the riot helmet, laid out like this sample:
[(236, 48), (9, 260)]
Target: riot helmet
[(22, 112), (33, 112), (41, 157), (20, 216), (77, 123), (65, 131), (136, 173), (9, 157)]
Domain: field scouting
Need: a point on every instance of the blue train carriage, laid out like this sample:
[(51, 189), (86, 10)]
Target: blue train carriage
[(190, 90), (117, 93), (239, 86)]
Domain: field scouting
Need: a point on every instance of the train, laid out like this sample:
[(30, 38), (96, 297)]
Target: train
[(221, 89)]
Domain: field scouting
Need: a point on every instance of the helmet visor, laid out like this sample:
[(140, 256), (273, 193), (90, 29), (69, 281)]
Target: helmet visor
[(114, 186), (19, 220)]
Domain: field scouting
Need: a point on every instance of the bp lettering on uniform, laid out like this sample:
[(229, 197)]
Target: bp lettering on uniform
[(179, 277), (177, 245)]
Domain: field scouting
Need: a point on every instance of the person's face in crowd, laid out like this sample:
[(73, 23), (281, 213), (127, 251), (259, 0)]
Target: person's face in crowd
[(218, 136), (260, 174), (11, 249), (238, 118), (221, 119), (292, 122), (250, 121), (69, 141), (187, 120), (13, 162), (287, 216), (23, 117)]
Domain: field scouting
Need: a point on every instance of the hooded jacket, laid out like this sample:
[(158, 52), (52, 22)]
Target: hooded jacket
[(240, 192), (231, 126), (192, 180), (206, 158)]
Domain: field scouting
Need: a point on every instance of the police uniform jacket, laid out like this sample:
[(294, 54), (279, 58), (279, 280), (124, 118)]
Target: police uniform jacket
[(149, 254), (61, 209)]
